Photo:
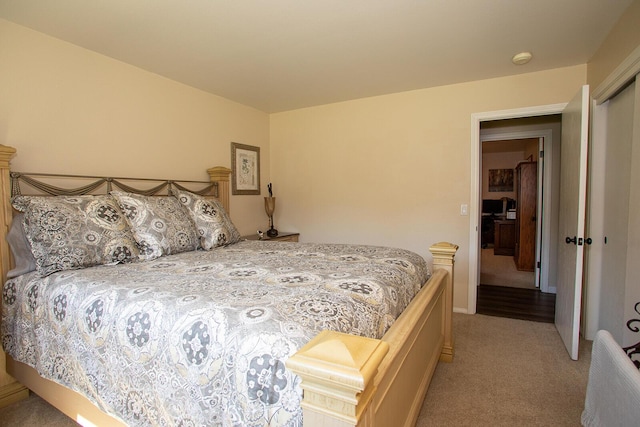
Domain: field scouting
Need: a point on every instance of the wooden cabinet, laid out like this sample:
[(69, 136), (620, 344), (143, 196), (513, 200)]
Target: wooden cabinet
[(283, 236), (526, 178), (504, 241)]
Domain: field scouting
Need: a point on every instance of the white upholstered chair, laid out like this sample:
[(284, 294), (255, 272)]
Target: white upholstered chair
[(613, 391)]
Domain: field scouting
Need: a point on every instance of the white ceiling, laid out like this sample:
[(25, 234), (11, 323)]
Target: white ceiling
[(278, 55)]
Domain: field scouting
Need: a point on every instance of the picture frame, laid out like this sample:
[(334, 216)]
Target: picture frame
[(245, 169), (500, 180)]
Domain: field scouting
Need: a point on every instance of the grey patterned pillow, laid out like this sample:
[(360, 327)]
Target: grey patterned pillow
[(212, 221), (71, 232), (20, 248), (160, 225)]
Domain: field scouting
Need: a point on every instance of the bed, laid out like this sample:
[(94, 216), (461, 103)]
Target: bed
[(203, 328)]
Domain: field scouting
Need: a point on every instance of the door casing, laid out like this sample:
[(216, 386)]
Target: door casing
[(476, 179)]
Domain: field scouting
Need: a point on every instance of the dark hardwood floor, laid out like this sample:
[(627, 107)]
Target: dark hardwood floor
[(516, 303)]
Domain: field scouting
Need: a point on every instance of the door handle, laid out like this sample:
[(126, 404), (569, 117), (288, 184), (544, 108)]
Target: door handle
[(579, 241)]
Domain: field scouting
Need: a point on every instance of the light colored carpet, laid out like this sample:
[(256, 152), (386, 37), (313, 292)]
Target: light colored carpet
[(506, 372), (33, 411), (500, 270)]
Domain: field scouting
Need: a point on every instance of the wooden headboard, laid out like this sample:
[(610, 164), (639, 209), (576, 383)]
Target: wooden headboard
[(13, 183)]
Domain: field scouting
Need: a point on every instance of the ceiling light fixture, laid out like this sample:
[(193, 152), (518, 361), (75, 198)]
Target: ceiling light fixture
[(521, 58)]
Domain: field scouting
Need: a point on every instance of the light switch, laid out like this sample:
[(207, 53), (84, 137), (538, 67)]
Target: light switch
[(464, 210)]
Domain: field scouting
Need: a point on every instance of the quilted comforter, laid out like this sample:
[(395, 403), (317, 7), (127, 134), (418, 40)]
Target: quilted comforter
[(200, 338)]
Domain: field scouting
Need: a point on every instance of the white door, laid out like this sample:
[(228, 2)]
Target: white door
[(573, 192)]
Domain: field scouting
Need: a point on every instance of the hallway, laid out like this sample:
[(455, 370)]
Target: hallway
[(506, 292)]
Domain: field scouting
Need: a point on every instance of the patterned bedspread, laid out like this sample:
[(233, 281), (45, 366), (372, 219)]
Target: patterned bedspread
[(200, 338)]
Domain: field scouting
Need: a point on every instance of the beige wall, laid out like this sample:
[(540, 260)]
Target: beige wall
[(70, 110), (621, 41), (394, 169)]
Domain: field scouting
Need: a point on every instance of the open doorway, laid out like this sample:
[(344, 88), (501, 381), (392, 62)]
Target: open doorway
[(515, 253), (510, 189)]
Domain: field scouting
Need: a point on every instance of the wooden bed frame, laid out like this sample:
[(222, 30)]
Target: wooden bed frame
[(347, 380)]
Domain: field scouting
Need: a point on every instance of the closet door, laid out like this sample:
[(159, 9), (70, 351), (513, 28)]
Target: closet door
[(620, 226)]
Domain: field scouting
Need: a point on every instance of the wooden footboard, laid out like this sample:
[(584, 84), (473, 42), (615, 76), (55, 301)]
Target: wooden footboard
[(355, 381)]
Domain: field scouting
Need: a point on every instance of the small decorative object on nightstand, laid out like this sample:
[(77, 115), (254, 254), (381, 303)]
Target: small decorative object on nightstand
[(269, 207)]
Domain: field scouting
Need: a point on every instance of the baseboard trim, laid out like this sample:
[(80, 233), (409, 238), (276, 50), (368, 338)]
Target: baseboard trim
[(12, 393)]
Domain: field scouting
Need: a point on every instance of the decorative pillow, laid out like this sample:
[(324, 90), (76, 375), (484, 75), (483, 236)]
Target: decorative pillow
[(71, 232), (160, 225), (213, 224), (20, 249)]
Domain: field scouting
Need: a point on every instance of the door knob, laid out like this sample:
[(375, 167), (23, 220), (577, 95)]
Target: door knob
[(570, 240)]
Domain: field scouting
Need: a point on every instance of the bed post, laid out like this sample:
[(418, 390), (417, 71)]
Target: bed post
[(10, 390), (337, 372), (443, 258), (221, 175), (6, 153)]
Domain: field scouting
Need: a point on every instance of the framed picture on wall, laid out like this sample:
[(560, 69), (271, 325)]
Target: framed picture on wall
[(500, 180), (245, 169)]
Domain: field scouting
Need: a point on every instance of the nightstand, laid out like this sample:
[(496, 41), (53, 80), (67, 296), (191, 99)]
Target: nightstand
[(282, 236)]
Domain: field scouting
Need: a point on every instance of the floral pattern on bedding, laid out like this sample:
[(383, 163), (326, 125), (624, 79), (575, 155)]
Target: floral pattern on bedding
[(201, 338)]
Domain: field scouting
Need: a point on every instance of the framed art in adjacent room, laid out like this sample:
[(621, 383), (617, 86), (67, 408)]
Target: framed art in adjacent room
[(245, 169), (500, 180)]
